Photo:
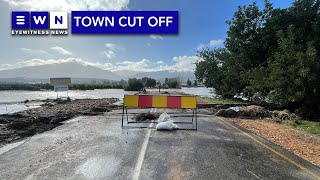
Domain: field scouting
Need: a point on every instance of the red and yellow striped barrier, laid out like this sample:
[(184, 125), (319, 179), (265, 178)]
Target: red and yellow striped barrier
[(158, 101)]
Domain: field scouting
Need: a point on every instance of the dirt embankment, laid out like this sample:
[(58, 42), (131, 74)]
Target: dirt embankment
[(305, 145), (269, 125), (50, 115)]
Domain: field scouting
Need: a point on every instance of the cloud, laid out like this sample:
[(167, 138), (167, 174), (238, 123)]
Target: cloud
[(156, 37), (201, 46), (212, 43), (216, 42), (108, 53), (111, 49), (39, 62), (178, 63), (181, 63), (141, 65), (5, 66), (111, 45), (33, 51), (160, 62), (68, 5), (62, 51)]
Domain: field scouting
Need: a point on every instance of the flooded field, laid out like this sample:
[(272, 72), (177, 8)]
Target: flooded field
[(10, 101)]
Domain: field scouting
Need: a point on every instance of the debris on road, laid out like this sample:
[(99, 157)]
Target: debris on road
[(146, 116), (50, 115), (254, 112), (227, 113), (166, 123), (283, 115)]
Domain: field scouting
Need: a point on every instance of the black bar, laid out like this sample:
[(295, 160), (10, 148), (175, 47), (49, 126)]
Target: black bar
[(186, 129), (142, 122), (157, 122), (127, 114), (194, 115), (196, 119), (122, 117)]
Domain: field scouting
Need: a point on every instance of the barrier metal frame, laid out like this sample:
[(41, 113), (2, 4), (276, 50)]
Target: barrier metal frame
[(193, 120)]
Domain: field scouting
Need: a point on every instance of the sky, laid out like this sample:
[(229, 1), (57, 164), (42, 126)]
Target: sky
[(202, 24)]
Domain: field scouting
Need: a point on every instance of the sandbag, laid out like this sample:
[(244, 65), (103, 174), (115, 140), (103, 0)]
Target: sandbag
[(165, 122), (167, 125), (164, 117)]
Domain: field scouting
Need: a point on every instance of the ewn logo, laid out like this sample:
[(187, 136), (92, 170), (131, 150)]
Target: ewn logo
[(39, 23)]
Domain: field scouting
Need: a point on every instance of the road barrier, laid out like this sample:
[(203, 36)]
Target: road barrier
[(160, 101)]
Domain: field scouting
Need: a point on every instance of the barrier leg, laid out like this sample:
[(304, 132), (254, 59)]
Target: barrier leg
[(122, 116), (196, 119), (192, 115), (127, 115)]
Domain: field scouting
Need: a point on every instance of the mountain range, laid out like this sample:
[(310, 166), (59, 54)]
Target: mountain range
[(83, 72)]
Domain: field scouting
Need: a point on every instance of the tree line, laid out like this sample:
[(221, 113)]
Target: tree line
[(135, 84), (269, 56), (132, 85), (189, 83), (47, 86)]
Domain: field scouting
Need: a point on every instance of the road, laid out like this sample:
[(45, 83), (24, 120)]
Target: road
[(98, 148)]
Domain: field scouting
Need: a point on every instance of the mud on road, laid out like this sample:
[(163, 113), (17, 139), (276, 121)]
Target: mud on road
[(50, 115)]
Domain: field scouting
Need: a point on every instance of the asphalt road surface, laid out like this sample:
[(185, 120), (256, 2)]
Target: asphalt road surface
[(98, 148)]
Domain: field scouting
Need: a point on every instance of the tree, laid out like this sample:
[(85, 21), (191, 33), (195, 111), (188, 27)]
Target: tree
[(270, 55), (123, 82), (144, 80), (217, 69), (134, 85), (195, 83), (150, 82), (166, 80), (189, 83), (173, 83)]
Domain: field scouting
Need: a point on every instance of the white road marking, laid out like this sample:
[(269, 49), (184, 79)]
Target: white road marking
[(253, 174), (137, 169)]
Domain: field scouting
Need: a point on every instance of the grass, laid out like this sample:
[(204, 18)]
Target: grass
[(222, 101), (311, 127)]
